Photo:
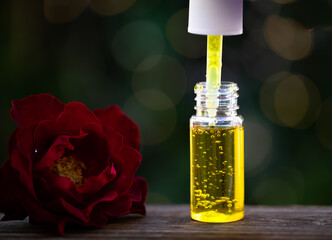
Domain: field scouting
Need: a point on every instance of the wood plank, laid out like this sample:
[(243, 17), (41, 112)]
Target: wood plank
[(173, 222)]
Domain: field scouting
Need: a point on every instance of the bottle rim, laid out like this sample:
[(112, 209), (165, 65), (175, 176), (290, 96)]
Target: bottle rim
[(224, 88), (221, 100)]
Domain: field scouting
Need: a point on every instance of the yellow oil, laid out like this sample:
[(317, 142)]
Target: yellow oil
[(217, 174), (213, 70), (214, 63)]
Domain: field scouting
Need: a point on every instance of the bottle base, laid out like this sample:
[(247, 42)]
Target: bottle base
[(215, 217)]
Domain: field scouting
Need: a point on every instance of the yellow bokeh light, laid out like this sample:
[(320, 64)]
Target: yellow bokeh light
[(154, 99), (62, 11), (287, 38), (186, 44), (324, 124), (314, 104), (267, 94), (155, 126), (290, 100), (161, 73), (111, 7)]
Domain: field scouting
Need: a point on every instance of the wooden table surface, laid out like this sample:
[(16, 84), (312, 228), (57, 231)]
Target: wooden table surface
[(173, 222)]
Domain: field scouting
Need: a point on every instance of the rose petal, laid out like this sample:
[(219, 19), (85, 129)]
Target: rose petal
[(94, 184), (47, 131), (12, 142), (98, 218), (55, 152), (24, 142), (11, 190), (74, 211), (61, 227), (117, 208), (35, 108), (62, 206), (50, 186), (22, 156), (21, 164), (126, 164), (109, 197), (75, 116), (44, 135), (92, 150), (10, 185), (113, 117), (138, 195), (139, 190), (22, 199), (114, 140), (38, 214), (132, 202)]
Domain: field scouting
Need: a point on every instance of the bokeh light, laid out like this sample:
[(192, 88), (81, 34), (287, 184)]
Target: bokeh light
[(111, 7), (267, 98), (324, 124), (257, 148), (136, 41), (62, 11), (154, 99), (287, 37), (290, 100), (188, 45), (161, 73), (155, 126)]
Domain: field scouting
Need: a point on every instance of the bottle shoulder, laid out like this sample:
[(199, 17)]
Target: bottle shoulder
[(218, 121)]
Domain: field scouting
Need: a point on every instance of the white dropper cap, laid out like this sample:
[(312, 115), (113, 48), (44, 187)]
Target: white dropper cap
[(215, 17)]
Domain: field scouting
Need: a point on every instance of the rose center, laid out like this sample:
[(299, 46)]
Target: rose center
[(70, 168)]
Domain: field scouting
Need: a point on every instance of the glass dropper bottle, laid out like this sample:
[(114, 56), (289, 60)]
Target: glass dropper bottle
[(216, 156), (216, 131)]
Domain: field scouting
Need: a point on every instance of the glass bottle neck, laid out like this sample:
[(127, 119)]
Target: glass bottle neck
[(218, 102)]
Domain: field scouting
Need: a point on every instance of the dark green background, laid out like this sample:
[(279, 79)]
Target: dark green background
[(94, 58)]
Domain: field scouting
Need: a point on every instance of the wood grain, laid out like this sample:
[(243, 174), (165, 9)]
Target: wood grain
[(173, 222)]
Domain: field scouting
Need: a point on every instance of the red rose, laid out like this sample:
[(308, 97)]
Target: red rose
[(68, 164)]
